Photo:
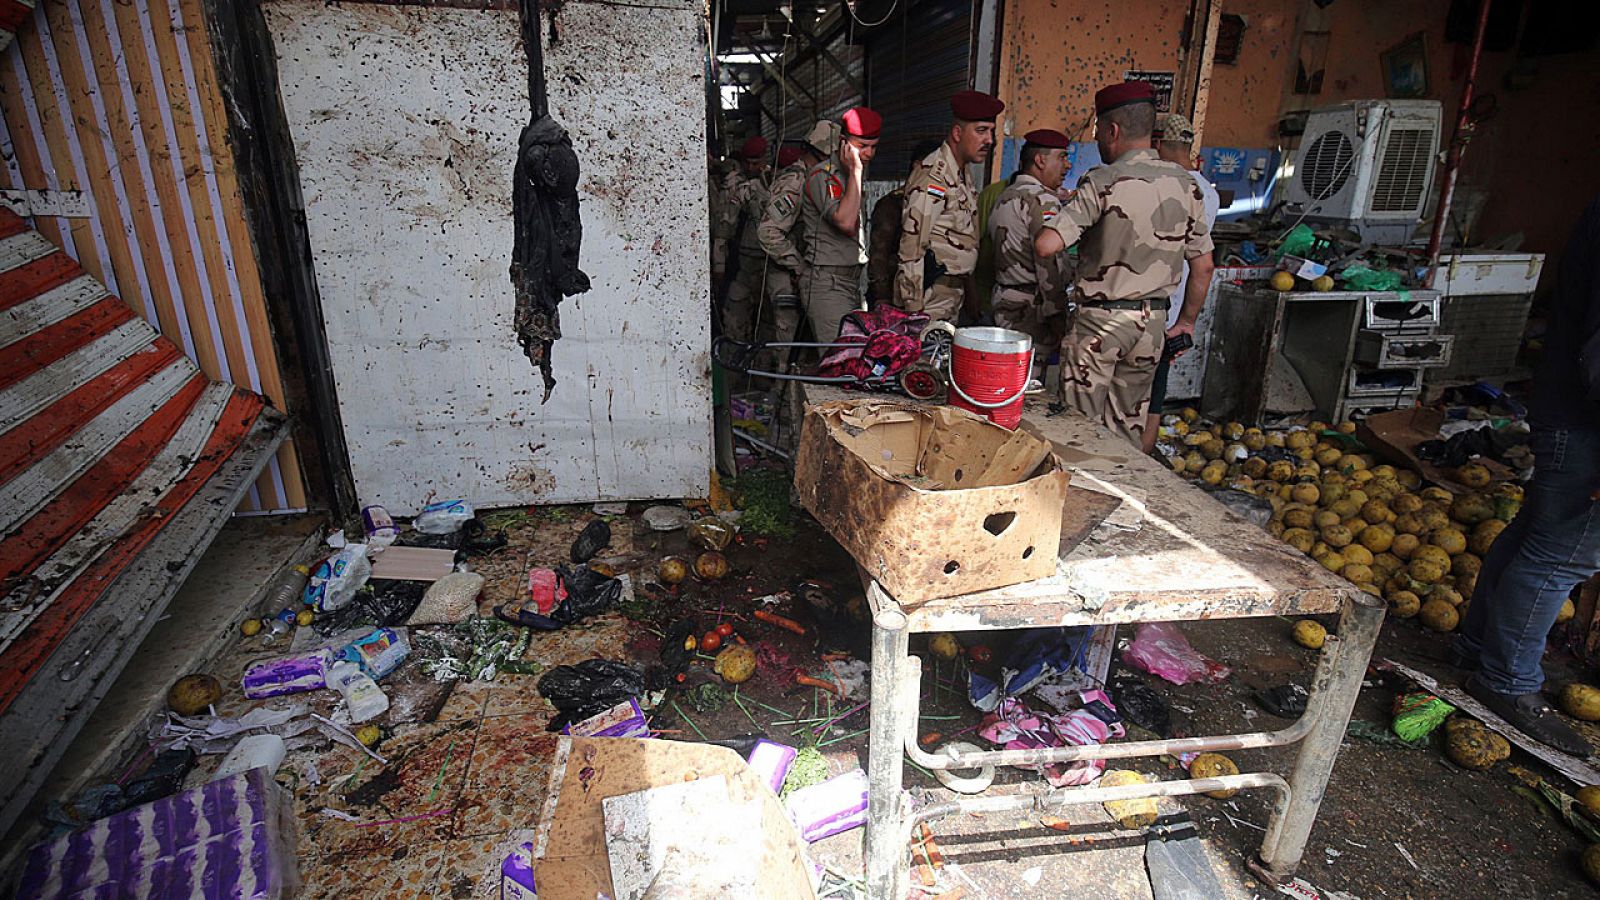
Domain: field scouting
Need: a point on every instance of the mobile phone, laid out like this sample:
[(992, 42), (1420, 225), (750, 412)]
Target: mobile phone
[(1175, 346)]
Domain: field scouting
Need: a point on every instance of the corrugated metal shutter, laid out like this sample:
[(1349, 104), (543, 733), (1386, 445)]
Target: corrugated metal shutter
[(825, 83), (914, 64)]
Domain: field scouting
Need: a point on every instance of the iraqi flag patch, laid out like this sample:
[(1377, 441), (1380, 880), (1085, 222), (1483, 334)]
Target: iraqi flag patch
[(935, 190)]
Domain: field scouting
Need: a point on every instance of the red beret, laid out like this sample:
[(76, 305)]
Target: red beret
[(862, 122), (1109, 98), (788, 155), (1048, 137), (754, 148), (975, 106)]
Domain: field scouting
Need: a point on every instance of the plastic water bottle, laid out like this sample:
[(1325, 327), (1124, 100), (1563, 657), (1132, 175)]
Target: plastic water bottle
[(285, 591)]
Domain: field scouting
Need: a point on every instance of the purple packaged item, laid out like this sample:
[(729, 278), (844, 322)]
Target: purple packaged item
[(232, 838), (516, 875), (625, 720), (823, 810), (306, 671), (377, 522), (771, 761)]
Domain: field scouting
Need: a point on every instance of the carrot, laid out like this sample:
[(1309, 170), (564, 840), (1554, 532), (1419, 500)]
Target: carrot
[(772, 618), (931, 738), (808, 681)]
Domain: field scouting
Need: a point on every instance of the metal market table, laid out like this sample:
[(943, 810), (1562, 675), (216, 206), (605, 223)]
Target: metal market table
[(1188, 558)]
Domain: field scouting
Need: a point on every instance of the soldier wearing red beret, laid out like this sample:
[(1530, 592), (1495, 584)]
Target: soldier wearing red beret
[(836, 235), (1030, 294), (1136, 220), (745, 277), (781, 234), (939, 226)]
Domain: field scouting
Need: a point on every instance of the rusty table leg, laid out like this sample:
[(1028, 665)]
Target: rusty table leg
[(1330, 707), (886, 848)]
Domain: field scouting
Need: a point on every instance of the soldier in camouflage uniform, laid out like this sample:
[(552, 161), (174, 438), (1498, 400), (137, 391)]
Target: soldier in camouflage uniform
[(831, 214), (939, 227), (1030, 294), (1138, 218), (780, 231), (741, 213)]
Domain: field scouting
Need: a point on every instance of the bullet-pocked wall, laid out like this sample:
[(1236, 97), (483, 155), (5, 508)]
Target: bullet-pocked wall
[(1533, 156)]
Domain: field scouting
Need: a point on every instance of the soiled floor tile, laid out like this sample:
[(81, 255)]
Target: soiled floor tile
[(509, 776), (407, 869), (471, 869), (467, 700), (427, 768)]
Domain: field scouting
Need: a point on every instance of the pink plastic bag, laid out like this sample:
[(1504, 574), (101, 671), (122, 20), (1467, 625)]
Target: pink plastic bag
[(1161, 649)]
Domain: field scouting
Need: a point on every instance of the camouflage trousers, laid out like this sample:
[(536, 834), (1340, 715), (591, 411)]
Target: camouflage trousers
[(779, 322), (829, 293), (941, 302), (1021, 311), (1108, 360), (753, 288)]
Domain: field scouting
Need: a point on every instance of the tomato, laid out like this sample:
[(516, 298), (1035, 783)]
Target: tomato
[(711, 642), (725, 629), (980, 653)]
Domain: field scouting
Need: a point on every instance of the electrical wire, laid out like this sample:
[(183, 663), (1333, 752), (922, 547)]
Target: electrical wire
[(850, 7)]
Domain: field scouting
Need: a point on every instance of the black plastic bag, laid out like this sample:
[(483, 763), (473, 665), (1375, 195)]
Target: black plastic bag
[(589, 593), (383, 602), (589, 688), (594, 538)]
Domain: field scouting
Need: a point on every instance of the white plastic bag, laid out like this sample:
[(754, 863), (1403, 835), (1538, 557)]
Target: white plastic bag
[(445, 517), (338, 578)]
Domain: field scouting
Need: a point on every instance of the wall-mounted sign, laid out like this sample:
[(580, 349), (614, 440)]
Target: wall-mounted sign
[(1161, 82)]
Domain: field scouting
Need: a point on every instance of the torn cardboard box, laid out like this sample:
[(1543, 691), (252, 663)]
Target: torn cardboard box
[(932, 501)]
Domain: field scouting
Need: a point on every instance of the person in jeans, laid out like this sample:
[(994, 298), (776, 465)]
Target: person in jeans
[(1553, 544)]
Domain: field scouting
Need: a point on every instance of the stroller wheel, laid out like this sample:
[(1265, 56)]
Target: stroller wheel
[(921, 381)]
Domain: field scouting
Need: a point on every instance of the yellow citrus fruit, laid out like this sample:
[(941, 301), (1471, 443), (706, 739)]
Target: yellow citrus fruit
[(303, 617), (1337, 536), (1439, 615), (1449, 540), (1214, 765), (1568, 610), (1310, 634), (1406, 503), (250, 627), (1347, 427), (1358, 554), (1404, 545), (1387, 562), (1581, 701), (1282, 281), (1465, 564), (1332, 560), (1356, 572), (1282, 470), (1432, 554), (1446, 593), (1376, 538), (1328, 457), (1483, 536), (1299, 538), (1404, 604), (1305, 493), (1426, 571)]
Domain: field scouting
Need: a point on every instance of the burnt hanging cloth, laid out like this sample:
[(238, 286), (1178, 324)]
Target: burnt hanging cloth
[(544, 200)]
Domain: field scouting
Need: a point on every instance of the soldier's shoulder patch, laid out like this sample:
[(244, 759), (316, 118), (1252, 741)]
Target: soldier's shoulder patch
[(784, 204), (936, 190), (835, 188)]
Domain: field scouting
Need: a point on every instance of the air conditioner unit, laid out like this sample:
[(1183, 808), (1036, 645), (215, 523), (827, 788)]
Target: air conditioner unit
[(1367, 164)]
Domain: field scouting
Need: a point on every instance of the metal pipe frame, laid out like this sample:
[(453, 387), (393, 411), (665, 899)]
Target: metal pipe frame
[(896, 691)]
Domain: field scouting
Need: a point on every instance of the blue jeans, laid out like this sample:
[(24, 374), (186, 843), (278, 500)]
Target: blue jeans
[(1551, 546)]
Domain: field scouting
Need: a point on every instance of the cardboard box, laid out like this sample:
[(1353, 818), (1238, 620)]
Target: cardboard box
[(571, 856), (932, 501), (1394, 436)]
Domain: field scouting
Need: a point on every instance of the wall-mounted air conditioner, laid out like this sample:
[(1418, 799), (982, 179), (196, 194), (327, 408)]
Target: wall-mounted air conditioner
[(1368, 164)]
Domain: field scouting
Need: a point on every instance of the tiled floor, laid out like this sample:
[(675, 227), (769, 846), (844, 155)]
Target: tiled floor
[(467, 762)]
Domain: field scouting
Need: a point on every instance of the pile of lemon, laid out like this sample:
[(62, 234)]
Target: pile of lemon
[(1420, 548)]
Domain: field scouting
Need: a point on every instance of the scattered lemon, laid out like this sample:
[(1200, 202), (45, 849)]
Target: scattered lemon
[(1310, 634), (1214, 765), (250, 627), (1322, 283), (1581, 701), (1282, 281), (303, 617), (369, 735)]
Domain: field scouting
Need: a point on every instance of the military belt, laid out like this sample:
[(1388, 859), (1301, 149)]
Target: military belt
[(1160, 303)]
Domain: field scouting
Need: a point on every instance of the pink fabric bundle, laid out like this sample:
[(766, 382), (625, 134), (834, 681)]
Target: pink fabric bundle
[(1013, 726)]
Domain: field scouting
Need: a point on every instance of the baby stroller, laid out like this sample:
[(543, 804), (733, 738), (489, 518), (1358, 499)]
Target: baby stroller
[(880, 349)]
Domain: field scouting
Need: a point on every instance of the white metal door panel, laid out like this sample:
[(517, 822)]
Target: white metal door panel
[(405, 123)]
